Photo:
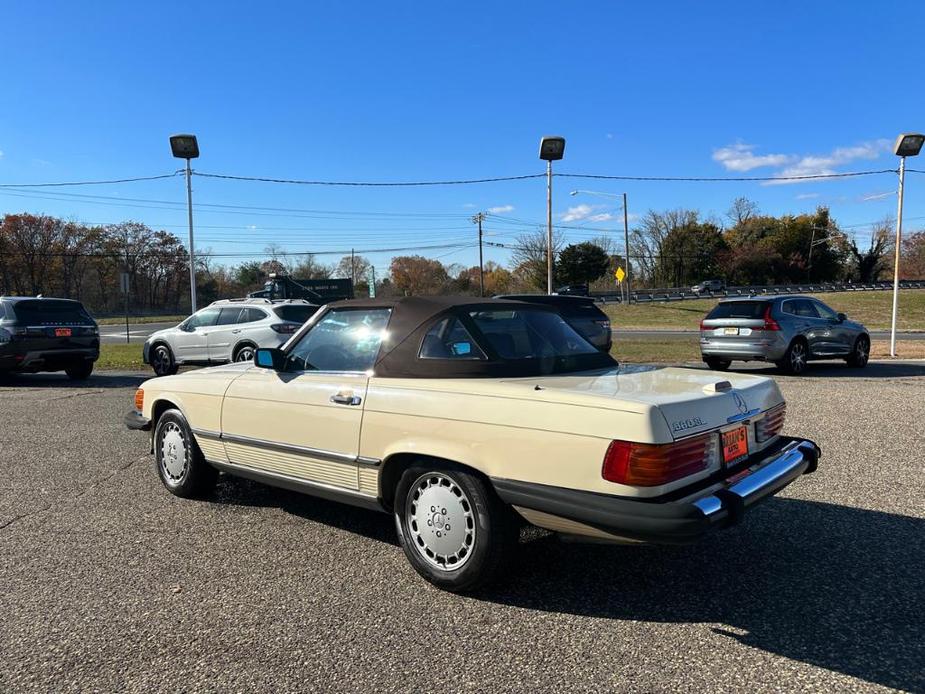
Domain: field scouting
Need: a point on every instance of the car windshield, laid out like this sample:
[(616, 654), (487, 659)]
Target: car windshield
[(738, 309), (48, 311), (530, 334)]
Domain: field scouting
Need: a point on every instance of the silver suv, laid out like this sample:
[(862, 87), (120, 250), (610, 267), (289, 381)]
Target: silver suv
[(786, 330), (226, 330)]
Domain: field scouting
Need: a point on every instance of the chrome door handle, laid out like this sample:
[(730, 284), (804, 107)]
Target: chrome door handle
[(346, 399), (236, 331)]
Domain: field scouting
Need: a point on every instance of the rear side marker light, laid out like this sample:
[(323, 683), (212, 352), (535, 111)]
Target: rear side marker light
[(770, 323), (771, 424), (139, 399), (649, 465)]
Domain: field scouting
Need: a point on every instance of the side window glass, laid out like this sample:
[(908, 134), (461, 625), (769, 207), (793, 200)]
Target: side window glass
[(343, 340), (251, 315), (449, 339), (806, 309), (787, 307), (824, 311), (203, 318), (229, 315)]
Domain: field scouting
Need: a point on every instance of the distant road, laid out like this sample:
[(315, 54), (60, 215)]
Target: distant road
[(114, 334)]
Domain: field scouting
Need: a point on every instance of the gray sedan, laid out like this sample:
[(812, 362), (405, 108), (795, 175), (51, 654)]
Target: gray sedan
[(786, 330)]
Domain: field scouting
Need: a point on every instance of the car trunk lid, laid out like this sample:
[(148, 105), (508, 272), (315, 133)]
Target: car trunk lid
[(691, 400)]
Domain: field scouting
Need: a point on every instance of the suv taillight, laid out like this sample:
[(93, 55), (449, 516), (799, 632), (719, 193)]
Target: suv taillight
[(649, 465), (285, 328), (771, 424), (770, 323)]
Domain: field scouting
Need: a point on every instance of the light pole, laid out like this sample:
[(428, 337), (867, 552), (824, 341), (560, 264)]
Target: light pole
[(186, 147), (552, 148), (478, 219), (907, 145), (626, 231)]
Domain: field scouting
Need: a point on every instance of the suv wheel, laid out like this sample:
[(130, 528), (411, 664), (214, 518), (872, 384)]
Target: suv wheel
[(244, 353), (162, 361), (454, 529), (79, 370), (860, 354), (795, 358), (180, 464)]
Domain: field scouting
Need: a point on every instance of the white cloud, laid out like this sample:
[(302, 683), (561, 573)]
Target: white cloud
[(1, 154), (500, 209), (741, 157), (807, 196), (825, 164), (578, 212), (609, 136), (602, 217), (469, 205), (878, 196)]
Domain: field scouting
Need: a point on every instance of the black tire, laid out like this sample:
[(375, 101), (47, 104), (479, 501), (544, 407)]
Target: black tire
[(79, 370), (180, 464), (717, 364), (162, 360), (244, 352), (860, 353), (487, 529), (795, 358)]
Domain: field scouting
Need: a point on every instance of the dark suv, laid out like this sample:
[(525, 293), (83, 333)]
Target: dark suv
[(578, 311), (39, 334)]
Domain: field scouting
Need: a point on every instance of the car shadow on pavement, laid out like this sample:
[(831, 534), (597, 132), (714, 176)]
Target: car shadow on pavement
[(60, 380), (824, 369), (837, 587), (238, 491)]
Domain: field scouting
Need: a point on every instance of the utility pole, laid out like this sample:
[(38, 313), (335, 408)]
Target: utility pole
[(899, 240), (478, 219), (353, 269), (626, 246), (549, 227)]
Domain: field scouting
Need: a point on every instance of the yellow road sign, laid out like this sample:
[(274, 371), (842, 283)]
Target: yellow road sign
[(619, 274)]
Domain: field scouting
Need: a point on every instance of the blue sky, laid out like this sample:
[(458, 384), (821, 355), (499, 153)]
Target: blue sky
[(396, 91)]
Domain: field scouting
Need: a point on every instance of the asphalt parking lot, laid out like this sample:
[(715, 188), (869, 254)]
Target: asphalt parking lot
[(108, 583)]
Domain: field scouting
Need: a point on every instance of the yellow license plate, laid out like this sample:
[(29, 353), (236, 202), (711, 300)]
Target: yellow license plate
[(735, 445), (731, 331)]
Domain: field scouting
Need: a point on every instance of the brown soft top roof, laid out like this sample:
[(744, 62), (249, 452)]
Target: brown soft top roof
[(413, 316)]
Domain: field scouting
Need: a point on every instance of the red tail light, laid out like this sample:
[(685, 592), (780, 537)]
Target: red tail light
[(770, 323), (771, 424), (649, 465), (702, 326), (285, 328)]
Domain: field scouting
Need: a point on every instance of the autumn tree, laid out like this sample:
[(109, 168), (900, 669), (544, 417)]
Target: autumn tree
[(528, 257), (415, 275)]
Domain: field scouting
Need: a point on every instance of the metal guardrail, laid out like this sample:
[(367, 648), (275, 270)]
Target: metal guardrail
[(685, 294)]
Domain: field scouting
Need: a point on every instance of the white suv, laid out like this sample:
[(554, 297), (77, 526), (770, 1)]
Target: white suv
[(226, 330)]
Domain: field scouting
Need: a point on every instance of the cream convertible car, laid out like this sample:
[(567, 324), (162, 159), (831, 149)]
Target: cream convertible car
[(462, 417)]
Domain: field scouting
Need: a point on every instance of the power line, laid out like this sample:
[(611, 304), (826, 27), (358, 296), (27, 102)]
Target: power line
[(90, 183), (370, 184), (710, 179)]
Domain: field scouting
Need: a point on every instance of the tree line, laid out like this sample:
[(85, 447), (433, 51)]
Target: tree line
[(41, 254)]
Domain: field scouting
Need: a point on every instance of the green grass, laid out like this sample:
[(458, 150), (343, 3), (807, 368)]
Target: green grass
[(139, 320), (121, 358), (870, 308)]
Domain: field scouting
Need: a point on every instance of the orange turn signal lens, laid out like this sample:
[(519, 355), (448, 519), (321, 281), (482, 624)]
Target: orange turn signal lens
[(139, 399)]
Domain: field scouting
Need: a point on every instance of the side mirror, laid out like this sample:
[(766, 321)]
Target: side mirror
[(270, 358), (842, 317)]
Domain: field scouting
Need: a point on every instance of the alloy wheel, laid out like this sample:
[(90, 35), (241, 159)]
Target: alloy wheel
[(440, 519), (245, 354), (174, 457), (797, 357)]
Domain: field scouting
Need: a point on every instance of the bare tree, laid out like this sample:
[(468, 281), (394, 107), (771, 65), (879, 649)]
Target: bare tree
[(742, 210), (528, 258)]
